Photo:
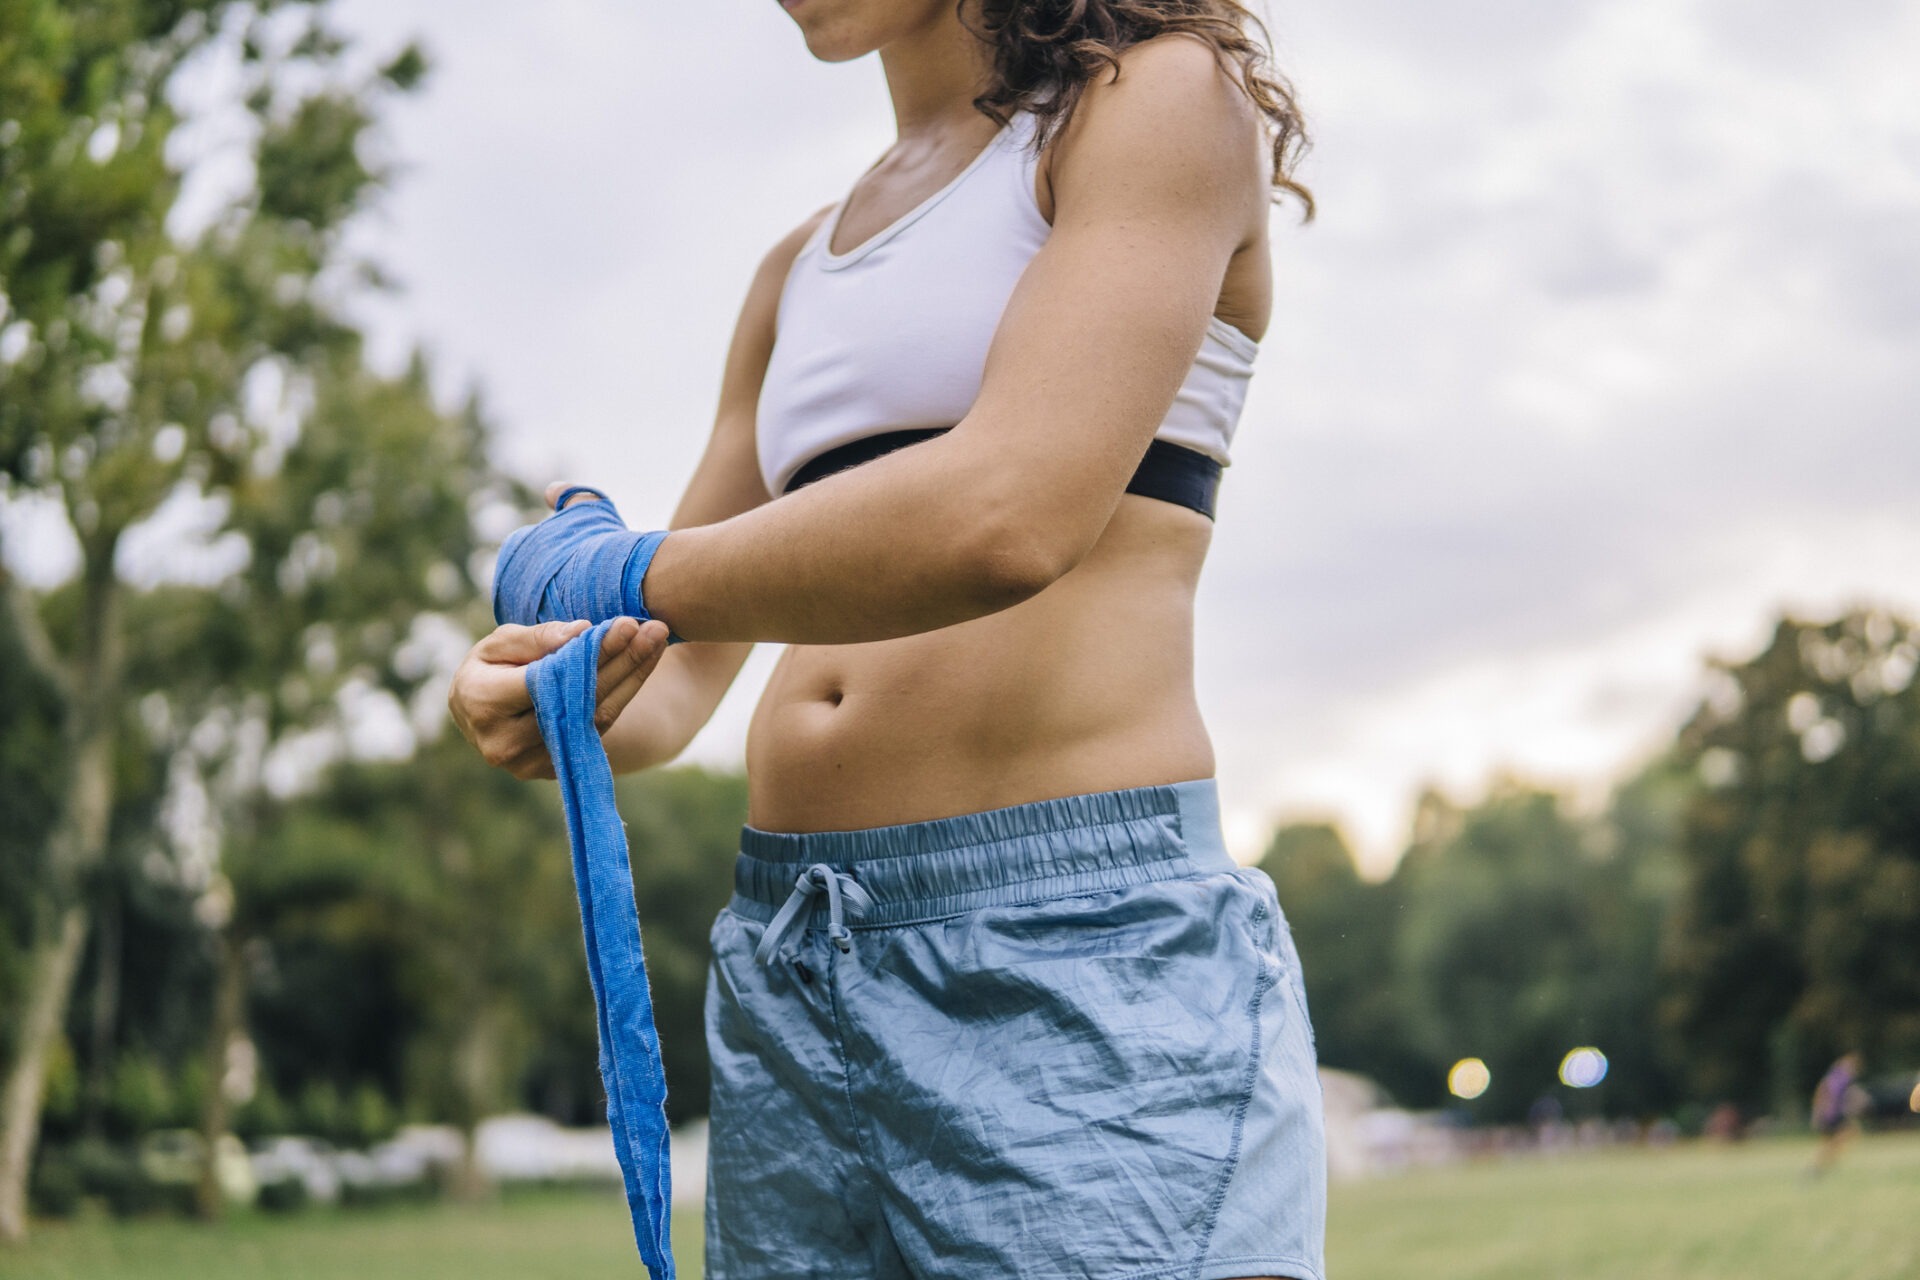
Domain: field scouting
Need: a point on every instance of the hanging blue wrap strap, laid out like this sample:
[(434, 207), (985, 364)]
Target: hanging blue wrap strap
[(572, 565), (563, 688)]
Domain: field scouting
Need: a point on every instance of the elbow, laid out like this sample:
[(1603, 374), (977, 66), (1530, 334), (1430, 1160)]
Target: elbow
[(1016, 554)]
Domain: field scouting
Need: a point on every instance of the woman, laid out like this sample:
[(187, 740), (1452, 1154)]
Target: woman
[(990, 999)]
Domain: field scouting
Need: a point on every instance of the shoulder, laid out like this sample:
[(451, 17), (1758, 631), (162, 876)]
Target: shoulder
[(755, 331), (1177, 80), (770, 279), (1176, 62), (1173, 105), (779, 259)]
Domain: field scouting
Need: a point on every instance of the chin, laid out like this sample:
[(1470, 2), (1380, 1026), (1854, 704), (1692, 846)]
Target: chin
[(842, 30)]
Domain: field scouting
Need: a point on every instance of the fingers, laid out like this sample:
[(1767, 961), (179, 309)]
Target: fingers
[(618, 655), (493, 707), (517, 645), (494, 711), (532, 763), (628, 656), (559, 487)]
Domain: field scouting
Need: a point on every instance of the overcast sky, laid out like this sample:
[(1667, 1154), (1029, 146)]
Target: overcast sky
[(1605, 348)]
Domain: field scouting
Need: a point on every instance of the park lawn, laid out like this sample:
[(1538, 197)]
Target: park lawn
[(1696, 1212), (532, 1235)]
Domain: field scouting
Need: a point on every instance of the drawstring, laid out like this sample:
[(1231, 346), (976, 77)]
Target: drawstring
[(845, 897)]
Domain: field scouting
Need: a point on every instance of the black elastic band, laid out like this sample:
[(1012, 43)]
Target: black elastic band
[(1170, 472)]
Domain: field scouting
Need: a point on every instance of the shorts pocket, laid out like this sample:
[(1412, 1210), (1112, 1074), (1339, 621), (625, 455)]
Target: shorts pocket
[(1277, 941), (1065, 1079)]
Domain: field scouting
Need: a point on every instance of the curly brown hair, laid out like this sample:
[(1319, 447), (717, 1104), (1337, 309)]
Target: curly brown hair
[(1045, 52)]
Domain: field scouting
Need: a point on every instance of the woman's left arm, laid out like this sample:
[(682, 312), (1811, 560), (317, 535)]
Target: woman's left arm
[(1155, 187)]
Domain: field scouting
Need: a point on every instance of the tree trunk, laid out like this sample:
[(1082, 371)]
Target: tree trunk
[(49, 984), (476, 1071), (76, 846), (229, 997), (109, 927)]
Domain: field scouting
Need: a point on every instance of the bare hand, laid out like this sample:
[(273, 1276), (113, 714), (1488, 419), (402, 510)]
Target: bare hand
[(490, 701)]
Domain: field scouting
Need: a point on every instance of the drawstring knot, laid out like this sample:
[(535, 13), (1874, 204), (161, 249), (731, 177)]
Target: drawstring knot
[(845, 898)]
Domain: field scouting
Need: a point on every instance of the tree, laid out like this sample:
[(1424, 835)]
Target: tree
[(1526, 934), (1509, 931), (1345, 928), (360, 542), (29, 790), (444, 885), (132, 364), (441, 890), (683, 826), (1798, 932)]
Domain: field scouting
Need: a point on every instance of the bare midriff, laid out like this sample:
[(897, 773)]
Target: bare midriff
[(1086, 687)]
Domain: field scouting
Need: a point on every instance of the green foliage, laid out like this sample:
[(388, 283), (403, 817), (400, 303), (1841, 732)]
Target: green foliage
[(407, 69), (31, 775), (56, 1187), (283, 1195), (310, 169), (421, 934), (1795, 937), (145, 363), (141, 1096), (265, 1114), (320, 1112), (1510, 932), (63, 1085), (1518, 948), (683, 827), (1344, 929), (1746, 909), (112, 1173)]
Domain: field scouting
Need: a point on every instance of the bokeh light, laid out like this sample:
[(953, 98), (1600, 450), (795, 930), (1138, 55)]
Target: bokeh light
[(1469, 1078), (1913, 1099), (1583, 1068)]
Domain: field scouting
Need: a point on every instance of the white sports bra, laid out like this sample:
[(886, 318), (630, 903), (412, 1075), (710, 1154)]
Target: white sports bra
[(892, 335)]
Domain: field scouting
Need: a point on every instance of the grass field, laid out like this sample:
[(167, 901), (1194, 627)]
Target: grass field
[(1690, 1213)]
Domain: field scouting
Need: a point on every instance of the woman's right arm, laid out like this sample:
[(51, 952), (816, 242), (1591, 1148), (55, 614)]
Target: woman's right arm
[(650, 703)]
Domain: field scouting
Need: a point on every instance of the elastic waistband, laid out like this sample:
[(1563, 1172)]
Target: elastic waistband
[(920, 871)]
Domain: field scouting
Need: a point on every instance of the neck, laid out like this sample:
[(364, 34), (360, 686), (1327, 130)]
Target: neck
[(933, 74)]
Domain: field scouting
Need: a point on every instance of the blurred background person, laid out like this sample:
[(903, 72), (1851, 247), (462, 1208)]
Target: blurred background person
[(1838, 1101)]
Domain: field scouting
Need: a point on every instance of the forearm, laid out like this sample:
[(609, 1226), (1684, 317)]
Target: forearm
[(920, 539), (673, 706), (656, 726)]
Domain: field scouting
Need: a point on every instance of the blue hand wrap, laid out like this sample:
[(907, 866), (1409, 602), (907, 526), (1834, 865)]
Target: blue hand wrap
[(582, 562)]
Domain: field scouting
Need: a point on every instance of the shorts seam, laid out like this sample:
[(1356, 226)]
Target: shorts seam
[(1192, 872), (1228, 1268), (846, 1067), (1272, 1263), (1041, 828), (941, 913), (1218, 1198), (861, 1144)]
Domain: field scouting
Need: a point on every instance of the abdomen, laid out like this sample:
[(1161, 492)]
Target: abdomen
[(1086, 687)]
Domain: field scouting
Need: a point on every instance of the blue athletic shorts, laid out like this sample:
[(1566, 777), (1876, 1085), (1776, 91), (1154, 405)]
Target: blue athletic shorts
[(1061, 1040)]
